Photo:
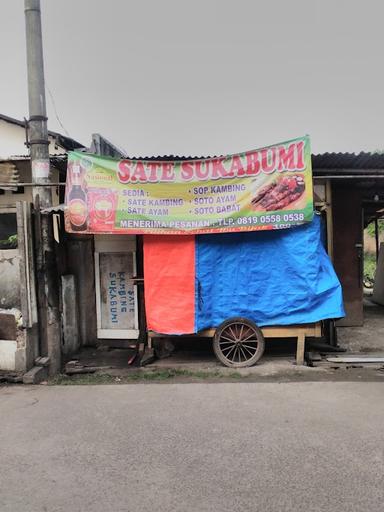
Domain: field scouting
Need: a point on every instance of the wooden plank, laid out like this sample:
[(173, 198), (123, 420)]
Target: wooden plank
[(31, 263), (300, 349), (295, 331), (98, 291), (318, 330), (118, 334), (348, 251), (207, 333), (70, 325), (284, 332), (27, 264), (23, 264), (269, 332), (40, 286), (355, 359), (113, 243), (329, 217), (378, 287)]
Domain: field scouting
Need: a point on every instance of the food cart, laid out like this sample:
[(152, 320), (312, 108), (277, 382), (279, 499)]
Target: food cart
[(232, 248), (240, 288)]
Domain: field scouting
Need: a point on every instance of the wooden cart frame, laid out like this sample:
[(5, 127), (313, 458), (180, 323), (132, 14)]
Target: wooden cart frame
[(300, 332)]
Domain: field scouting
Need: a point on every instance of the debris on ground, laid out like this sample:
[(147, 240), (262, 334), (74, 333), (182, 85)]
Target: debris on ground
[(356, 359), (11, 377), (74, 367), (148, 357)]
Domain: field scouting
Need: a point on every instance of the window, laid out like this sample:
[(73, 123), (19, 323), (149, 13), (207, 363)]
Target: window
[(8, 231)]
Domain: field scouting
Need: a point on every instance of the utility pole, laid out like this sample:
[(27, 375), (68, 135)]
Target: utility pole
[(49, 316)]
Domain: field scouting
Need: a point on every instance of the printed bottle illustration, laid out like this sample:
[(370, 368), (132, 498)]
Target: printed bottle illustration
[(102, 209), (77, 201)]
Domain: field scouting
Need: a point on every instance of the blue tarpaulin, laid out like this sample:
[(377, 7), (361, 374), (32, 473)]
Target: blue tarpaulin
[(281, 277)]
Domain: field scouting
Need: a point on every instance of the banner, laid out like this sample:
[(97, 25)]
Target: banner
[(268, 188)]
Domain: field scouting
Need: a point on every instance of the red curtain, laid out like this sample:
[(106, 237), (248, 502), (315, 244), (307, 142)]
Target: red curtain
[(169, 283)]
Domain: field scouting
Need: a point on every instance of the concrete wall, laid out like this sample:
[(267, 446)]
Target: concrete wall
[(9, 279), (13, 354), (17, 345)]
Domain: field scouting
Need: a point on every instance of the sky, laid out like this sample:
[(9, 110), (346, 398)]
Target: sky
[(204, 77)]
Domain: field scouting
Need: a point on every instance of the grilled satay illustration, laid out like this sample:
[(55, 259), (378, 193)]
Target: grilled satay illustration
[(280, 193), (263, 192)]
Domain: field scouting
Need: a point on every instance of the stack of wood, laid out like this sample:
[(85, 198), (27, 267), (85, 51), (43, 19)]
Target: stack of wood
[(9, 176)]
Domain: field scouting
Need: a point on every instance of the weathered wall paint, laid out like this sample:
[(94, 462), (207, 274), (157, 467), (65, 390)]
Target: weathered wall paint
[(9, 278)]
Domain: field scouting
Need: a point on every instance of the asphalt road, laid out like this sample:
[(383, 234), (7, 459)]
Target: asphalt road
[(314, 446)]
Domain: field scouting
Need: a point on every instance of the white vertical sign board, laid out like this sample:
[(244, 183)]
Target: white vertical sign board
[(116, 296), (117, 291)]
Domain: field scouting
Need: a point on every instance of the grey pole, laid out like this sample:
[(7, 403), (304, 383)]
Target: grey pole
[(49, 316), (38, 132)]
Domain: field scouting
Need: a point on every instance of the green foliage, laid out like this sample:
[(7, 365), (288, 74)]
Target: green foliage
[(369, 265), (9, 243), (371, 227)]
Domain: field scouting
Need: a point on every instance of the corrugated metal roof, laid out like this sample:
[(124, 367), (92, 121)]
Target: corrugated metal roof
[(323, 164), (169, 158), (335, 161), (372, 163), (54, 209), (361, 160)]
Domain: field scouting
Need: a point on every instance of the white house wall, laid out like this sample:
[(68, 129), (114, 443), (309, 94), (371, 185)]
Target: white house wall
[(12, 138), (12, 142)]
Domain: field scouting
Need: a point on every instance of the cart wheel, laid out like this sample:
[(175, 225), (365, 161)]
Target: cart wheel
[(238, 343)]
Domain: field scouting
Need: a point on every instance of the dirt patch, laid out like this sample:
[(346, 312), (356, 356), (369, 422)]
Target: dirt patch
[(173, 375)]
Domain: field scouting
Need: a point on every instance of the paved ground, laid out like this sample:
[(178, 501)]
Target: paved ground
[(369, 337), (193, 447)]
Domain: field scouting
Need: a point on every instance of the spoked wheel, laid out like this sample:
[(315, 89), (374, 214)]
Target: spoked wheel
[(238, 343)]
